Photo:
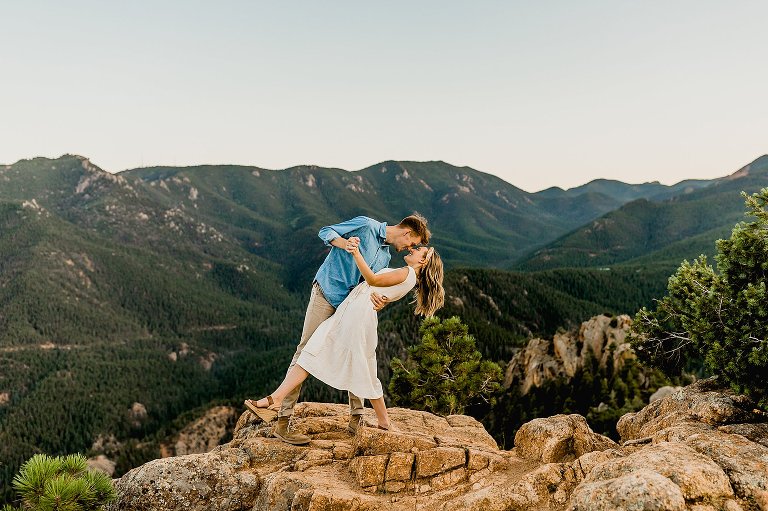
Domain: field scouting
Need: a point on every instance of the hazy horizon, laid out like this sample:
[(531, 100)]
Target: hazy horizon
[(540, 95)]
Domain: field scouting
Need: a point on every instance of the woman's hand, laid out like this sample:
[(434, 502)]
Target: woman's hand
[(352, 245)]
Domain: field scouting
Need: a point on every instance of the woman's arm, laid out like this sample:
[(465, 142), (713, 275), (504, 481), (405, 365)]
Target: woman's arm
[(387, 279)]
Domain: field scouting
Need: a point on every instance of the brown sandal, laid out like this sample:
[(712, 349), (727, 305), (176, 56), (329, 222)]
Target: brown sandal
[(267, 413)]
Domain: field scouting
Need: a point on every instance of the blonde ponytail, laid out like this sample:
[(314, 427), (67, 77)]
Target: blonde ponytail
[(430, 294)]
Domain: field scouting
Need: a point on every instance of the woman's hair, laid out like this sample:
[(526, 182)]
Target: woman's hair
[(430, 294)]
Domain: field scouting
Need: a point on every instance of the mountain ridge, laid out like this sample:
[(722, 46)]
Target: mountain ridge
[(480, 218), (548, 192), (640, 228)]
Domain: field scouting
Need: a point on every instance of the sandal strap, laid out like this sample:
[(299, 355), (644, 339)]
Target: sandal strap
[(270, 400)]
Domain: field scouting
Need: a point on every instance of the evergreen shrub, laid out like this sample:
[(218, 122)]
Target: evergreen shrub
[(720, 317), (444, 373), (62, 483)]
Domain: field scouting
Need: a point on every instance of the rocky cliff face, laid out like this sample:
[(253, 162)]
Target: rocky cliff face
[(700, 449), (203, 434), (602, 337)]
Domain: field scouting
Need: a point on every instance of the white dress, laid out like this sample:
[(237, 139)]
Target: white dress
[(342, 351)]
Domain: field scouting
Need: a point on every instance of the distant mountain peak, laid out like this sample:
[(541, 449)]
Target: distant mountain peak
[(757, 165)]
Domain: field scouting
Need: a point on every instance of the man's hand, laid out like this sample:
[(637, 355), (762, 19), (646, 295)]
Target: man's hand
[(379, 301)]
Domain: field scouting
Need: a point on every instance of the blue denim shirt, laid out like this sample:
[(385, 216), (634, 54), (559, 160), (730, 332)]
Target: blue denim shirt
[(339, 274)]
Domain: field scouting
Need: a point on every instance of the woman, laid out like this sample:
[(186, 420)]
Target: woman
[(342, 351)]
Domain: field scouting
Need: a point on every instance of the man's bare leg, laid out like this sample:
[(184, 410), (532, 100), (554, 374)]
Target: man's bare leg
[(295, 377)]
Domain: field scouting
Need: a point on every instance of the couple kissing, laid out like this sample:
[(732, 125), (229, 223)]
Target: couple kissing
[(339, 338)]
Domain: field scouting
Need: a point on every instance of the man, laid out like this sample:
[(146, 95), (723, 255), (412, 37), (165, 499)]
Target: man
[(337, 276)]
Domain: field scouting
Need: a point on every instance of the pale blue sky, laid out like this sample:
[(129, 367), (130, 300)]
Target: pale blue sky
[(539, 93)]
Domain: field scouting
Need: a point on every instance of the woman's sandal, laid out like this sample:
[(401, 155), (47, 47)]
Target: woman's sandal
[(266, 414), (391, 428)]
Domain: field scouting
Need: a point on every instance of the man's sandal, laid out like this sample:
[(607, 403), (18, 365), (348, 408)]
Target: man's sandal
[(266, 413)]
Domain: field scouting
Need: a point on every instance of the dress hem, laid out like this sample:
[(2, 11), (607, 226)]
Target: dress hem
[(337, 387)]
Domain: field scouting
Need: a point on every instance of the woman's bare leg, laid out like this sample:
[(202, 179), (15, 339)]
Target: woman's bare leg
[(381, 412), (294, 377)]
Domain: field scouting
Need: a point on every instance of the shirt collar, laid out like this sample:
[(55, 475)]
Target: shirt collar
[(383, 234)]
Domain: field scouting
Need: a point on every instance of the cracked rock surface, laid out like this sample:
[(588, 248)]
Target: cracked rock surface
[(700, 448)]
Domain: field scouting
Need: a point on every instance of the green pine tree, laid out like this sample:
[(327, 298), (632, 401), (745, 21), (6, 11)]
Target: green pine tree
[(444, 373), (62, 483), (720, 317)]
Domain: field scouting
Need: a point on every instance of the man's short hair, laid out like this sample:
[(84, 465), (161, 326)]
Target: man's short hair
[(418, 224)]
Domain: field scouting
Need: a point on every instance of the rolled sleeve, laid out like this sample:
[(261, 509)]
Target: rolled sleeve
[(331, 232), (328, 235)]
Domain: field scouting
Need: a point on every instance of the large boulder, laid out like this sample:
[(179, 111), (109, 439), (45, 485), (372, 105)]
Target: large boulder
[(643, 490), (707, 472), (559, 438), (691, 450), (219, 480), (696, 475), (704, 405)]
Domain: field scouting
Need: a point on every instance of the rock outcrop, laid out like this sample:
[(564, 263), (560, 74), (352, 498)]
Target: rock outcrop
[(430, 459), (663, 392), (137, 414), (701, 448), (682, 452), (203, 434), (102, 464), (559, 438), (602, 337)]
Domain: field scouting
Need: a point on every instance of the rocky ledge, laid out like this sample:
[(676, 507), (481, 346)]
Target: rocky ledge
[(700, 449)]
